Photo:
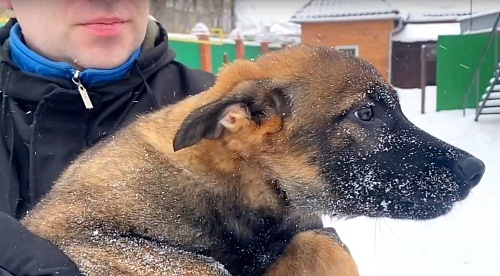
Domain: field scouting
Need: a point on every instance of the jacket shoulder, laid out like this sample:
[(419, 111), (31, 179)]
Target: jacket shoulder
[(176, 81), (196, 79)]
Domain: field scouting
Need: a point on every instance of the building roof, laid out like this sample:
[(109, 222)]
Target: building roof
[(482, 13), (425, 32), (441, 11), (345, 10), (425, 17)]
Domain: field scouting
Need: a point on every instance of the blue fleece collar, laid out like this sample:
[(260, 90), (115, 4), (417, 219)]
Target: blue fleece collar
[(30, 61)]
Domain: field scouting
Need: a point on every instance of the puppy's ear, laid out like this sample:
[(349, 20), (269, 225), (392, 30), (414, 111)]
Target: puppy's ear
[(277, 100), (251, 101), (209, 121)]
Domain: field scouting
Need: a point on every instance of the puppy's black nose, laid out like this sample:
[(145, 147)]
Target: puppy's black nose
[(473, 169)]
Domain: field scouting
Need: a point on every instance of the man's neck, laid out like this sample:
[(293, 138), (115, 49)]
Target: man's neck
[(32, 62)]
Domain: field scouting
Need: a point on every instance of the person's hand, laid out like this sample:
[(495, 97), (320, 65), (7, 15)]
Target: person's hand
[(24, 253)]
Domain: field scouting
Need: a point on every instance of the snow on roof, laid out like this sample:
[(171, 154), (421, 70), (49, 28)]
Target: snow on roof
[(416, 16), (442, 11), (343, 10), (273, 32), (478, 14), (426, 32)]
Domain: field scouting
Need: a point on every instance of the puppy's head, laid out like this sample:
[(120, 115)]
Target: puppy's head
[(329, 129)]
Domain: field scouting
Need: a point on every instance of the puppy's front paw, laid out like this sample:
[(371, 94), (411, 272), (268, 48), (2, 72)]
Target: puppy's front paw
[(315, 252), (332, 233)]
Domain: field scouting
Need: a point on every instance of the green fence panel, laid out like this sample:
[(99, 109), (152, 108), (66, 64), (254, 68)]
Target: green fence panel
[(218, 55), (458, 57), (252, 51), (187, 53)]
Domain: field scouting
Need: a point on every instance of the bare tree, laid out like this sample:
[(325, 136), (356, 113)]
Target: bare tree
[(182, 15)]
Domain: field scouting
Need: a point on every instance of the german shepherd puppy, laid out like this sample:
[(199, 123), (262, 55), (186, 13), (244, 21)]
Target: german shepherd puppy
[(233, 181)]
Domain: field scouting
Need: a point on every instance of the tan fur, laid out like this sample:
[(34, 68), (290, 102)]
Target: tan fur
[(136, 182), (315, 253)]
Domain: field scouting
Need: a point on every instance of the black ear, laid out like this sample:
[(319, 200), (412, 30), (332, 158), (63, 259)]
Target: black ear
[(202, 123), (279, 102), (252, 101)]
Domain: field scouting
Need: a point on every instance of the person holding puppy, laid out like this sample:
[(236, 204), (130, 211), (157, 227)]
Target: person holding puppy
[(72, 72)]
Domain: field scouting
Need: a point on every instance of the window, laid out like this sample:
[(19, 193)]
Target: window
[(352, 50)]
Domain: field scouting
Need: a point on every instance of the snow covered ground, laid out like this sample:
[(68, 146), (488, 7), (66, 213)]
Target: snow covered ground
[(464, 243)]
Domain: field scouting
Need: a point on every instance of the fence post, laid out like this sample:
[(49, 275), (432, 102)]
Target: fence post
[(264, 47), (205, 52), (240, 48), (423, 77)]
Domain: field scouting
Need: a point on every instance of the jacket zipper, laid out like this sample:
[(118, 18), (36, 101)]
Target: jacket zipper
[(83, 91)]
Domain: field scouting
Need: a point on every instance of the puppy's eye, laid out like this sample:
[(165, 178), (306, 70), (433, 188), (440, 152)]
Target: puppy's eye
[(364, 114)]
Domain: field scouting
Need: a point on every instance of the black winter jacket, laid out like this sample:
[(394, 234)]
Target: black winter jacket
[(44, 124)]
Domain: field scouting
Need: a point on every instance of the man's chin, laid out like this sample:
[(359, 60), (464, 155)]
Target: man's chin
[(104, 59)]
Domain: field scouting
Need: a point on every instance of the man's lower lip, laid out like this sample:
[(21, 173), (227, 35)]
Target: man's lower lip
[(104, 29)]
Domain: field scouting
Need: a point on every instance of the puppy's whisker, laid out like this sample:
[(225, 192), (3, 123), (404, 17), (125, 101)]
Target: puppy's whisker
[(390, 228)]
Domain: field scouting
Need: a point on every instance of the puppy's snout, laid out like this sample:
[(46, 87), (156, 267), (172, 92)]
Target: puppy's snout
[(473, 169)]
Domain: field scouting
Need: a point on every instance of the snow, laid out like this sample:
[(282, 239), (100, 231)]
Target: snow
[(267, 20), (465, 242), (274, 32), (442, 10), (261, 12), (342, 10), (426, 32)]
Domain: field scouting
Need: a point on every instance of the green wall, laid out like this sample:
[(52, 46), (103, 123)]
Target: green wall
[(458, 57), (218, 55), (187, 53), (252, 51)]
